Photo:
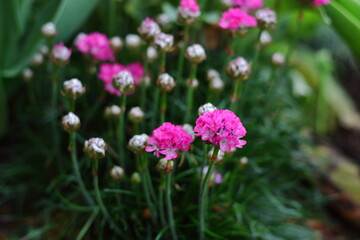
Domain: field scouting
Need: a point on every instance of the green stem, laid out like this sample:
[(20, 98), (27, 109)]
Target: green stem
[(162, 66), (71, 105), (161, 201), (99, 199), (149, 181), (111, 23), (121, 130), (162, 106), (87, 225), (143, 84), (182, 54), (235, 97), (169, 207), (3, 107), (190, 93), (155, 107), (203, 194), (72, 149)]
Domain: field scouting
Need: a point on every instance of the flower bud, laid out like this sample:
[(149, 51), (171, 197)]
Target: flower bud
[(166, 82), (132, 41), (278, 59), (194, 83), (265, 39), (135, 178), (195, 53), (151, 54), (212, 74), (37, 59), (164, 21), (216, 85), (136, 115), (44, 50), (116, 43), (112, 112), (189, 129), (164, 42), (117, 173), (266, 18), (243, 161), (27, 74), (70, 122), (165, 166), (95, 148), (60, 55), (138, 143), (220, 156), (207, 107), (123, 81), (238, 68), (73, 88), (49, 30), (148, 29)]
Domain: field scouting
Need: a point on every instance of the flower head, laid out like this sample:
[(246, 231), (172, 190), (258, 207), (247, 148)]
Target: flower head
[(195, 53), (164, 42), (164, 21), (116, 43), (70, 122), (168, 140), (96, 45), (123, 81), (265, 39), (216, 84), (238, 68), (148, 29), (112, 112), (95, 148), (73, 88), (318, 3), (221, 128), (151, 54), (188, 11), (207, 107), (49, 30), (166, 82), (136, 115), (132, 41), (266, 18), (60, 55), (27, 74), (248, 4), (138, 143), (236, 19), (212, 74), (117, 173), (278, 59)]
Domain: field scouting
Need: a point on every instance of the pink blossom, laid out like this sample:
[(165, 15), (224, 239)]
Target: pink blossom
[(235, 18), (221, 128), (168, 140), (97, 45), (189, 7), (318, 3), (60, 54), (109, 70), (248, 4)]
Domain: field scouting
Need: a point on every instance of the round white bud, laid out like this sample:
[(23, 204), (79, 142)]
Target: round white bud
[(166, 82), (123, 81), (278, 59), (95, 148), (265, 18), (132, 41), (211, 74), (117, 173), (136, 115), (27, 74), (112, 112), (73, 88), (116, 43), (37, 59), (238, 68), (164, 42), (207, 107), (49, 30), (195, 53), (70, 122), (216, 84), (138, 143)]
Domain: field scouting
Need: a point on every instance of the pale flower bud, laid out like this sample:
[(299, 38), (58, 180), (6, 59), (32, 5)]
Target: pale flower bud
[(164, 21), (165, 166), (148, 29), (123, 81), (95, 148), (207, 107), (212, 74), (164, 42), (220, 156), (151, 54), (116, 43), (278, 59), (73, 88), (238, 68), (266, 18), (189, 129), (138, 143), (132, 41), (166, 82), (27, 74), (135, 178), (243, 161), (37, 59), (49, 30), (216, 84), (265, 39), (60, 55), (195, 53), (70, 122), (188, 15), (44, 50), (136, 115), (112, 112), (194, 83), (117, 173)]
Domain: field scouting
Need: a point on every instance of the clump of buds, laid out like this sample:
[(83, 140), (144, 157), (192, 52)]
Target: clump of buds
[(73, 88), (132, 41), (60, 55), (70, 122), (166, 82), (112, 112), (116, 43), (238, 68), (138, 143), (266, 18), (207, 107), (123, 82), (48, 30), (164, 42), (278, 59), (165, 166), (195, 53), (117, 173), (148, 29), (136, 115), (95, 148)]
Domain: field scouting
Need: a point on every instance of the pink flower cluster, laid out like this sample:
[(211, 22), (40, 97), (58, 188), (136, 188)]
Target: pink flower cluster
[(60, 54), (109, 70), (97, 45), (318, 3), (221, 128), (168, 140), (248, 4), (189, 6), (235, 18)]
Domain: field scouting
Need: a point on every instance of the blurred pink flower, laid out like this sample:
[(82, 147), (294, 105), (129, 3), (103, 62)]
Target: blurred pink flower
[(96, 44), (318, 3), (215, 177), (235, 18), (109, 70), (248, 4), (168, 140), (221, 128), (60, 54), (189, 7)]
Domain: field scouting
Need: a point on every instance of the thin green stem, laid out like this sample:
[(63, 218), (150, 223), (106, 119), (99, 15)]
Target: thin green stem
[(190, 93), (169, 207), (235, 97), (155, 107), (162, 106), (121, 130), (87, 225), (182, 54), (111, 14), (71, 105), (203, 194), (161, 201), (143, 84), (162, 66)]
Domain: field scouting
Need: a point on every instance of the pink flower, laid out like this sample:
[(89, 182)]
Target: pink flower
[(221, 128), (109, 70), (97, 45), (248, 4), (168, 140), (318, 3), (60, 54), (149, 29), (235, 18), (188, 11)]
